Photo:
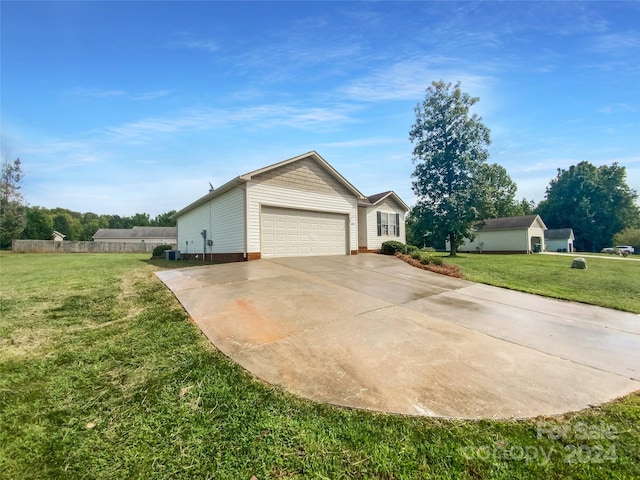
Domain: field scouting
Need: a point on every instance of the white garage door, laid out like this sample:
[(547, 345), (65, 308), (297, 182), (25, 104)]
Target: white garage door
[(298, 233)]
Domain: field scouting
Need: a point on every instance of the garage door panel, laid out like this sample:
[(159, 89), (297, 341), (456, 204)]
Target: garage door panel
[(290, 232)]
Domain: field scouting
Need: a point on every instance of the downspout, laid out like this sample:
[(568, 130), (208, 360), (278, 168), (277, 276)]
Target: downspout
[(246, 220)]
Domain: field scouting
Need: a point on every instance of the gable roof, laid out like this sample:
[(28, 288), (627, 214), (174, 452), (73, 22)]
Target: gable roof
[(379, 197), (137, 232), (512, 223), (241, 179), (559, 234)]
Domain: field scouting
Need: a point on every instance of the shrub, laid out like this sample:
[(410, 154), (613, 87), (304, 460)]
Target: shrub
[(416, 255), (392, 246), (430, 260), (159, 250), (409, 249), (427, 249)]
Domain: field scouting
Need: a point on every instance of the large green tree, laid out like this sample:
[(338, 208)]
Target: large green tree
[(496, 192), (450, 147), (39, 224), (12, 209), (595, 201)]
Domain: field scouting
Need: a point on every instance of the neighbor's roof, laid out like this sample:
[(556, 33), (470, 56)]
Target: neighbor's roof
[(559, 234), (137, 232), (379, 197), (512, 223), (249, 176)]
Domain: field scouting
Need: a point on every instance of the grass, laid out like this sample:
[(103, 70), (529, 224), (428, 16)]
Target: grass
[(103, 376), (612, 283)]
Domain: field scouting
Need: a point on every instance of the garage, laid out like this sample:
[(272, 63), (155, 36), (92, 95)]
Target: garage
[(297, 233)]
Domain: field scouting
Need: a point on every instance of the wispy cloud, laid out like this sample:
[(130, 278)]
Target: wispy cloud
[(150, 95), (407, 80), (616, 108), (205, 44), (97, 92), (253, 117)]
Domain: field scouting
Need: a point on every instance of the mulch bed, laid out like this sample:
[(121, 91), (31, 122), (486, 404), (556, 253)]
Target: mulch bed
[(446, 269)]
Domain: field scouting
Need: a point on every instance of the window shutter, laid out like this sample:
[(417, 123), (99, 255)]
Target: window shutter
[(397, 224), (379, 223)]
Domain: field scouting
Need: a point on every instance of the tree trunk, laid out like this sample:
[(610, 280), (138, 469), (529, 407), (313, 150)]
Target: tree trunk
[(452, 243)]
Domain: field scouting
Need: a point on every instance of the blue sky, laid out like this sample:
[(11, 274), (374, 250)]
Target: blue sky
[(136, 106)]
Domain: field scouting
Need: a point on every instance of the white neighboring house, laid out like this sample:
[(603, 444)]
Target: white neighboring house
[(559, 240), (524, 234), (298, 207), (159, 235)]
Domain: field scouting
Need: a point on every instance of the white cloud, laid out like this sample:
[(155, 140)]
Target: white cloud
[(408, 79), (200, 44)]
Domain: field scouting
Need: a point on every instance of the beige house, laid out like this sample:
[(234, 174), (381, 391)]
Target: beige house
[(298, 207), (157, 235), (524, 234), (57, 236)]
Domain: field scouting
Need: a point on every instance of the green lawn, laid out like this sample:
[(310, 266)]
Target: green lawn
[(611, 283), (103, 376)]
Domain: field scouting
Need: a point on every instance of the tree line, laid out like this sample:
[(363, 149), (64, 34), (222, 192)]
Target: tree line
[(41, 222)]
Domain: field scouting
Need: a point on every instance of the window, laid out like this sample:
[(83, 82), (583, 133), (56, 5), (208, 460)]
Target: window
[(388, 224)]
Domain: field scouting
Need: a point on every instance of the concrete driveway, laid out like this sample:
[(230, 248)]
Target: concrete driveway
[(369, 331)]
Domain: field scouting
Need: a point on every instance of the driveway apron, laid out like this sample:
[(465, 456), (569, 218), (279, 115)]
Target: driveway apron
[(369, 331)]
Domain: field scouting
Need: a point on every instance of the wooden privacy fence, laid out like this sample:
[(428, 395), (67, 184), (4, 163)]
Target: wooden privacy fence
[(49, 246)]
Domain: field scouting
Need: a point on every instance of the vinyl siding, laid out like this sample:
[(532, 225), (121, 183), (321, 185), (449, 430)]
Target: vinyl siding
[(369, 226), (222, 217)]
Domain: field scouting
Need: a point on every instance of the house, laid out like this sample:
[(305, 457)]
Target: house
[(559, 240), (159, 235), (298, 207), (57, 236), (386, 211), (524, 234)]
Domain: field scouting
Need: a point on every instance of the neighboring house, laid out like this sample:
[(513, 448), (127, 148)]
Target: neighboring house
[(159, 235), (298, 207), (523, 234), (559, 240), (57, 236)]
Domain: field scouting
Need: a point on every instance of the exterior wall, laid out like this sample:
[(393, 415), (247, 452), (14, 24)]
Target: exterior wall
[(302, 185), (368, 223), (222, 218), (536, 232), (498, 241), (362, 229), (507, 241), (564, 245)]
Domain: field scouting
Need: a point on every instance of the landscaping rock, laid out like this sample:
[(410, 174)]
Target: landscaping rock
[(580, 263)]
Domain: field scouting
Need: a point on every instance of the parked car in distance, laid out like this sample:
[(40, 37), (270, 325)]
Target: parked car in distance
[(626, 248), (608, 250)]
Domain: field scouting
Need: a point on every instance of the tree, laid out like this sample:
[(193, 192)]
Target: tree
[(496, 192), (12, 210), (165, 219), (450, 148), (39, 224), (595, 201), (628, 236)]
